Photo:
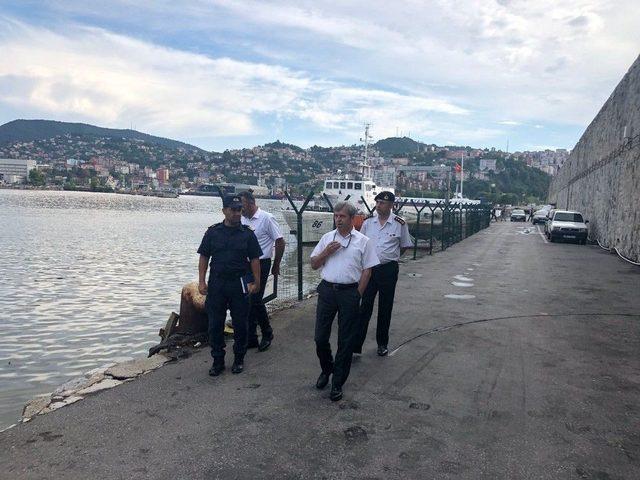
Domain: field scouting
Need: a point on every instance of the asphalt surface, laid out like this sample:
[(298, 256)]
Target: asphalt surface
[(536, 377)]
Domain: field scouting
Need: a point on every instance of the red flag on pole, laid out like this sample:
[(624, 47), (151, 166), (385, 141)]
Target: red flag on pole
[(458, 168)]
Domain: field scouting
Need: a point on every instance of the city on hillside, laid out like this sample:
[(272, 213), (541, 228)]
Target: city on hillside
[(134, 165)]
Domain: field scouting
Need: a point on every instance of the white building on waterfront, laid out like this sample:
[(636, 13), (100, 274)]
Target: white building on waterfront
[(13, 170)]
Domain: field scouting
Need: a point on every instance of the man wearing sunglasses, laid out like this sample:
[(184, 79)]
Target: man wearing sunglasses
[(235, 273), (390, 235), (345, 257)]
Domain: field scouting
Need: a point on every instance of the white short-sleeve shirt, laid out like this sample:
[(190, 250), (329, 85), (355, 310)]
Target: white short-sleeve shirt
[(388, 238), (266, 229), (346, 265)]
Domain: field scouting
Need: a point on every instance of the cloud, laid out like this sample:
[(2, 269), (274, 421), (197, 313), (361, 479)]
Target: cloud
[(516, 57), (114, 80), (509, 122), (581, 21), (528, 62)]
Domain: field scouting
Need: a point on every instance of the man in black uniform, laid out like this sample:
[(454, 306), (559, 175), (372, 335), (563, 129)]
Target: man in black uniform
[(235, 275)]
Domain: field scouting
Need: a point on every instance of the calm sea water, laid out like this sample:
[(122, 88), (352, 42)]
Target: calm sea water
[(88, 279)]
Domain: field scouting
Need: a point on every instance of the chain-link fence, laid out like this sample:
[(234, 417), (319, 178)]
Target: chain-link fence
[(434, 226)]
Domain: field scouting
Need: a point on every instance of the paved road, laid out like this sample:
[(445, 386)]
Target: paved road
[(537, 378)]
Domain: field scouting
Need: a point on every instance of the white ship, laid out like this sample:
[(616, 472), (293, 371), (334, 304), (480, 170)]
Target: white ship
[(317, 219), (355, 188)]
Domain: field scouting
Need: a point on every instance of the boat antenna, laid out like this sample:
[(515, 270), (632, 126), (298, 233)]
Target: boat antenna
[(366, 139)]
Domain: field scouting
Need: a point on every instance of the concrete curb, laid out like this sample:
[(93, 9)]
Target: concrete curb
[(96, 380)]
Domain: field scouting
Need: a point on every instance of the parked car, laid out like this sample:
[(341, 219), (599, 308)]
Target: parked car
[(540, 216), (518, 215), (567, 225)]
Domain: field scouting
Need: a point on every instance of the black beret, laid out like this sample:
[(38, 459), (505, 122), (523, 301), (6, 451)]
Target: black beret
[(388, 196), (232, 201)]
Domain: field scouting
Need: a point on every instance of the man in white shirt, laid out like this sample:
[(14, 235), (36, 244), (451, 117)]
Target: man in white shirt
[(390, 235), (268, 233), (345, 257)]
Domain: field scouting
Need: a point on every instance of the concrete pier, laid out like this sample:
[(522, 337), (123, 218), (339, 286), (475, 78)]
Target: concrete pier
[(512, 358)]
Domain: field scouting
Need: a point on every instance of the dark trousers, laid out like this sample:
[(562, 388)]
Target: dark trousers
[(226, 294), (346, 304), (383, 281), (258, 312)]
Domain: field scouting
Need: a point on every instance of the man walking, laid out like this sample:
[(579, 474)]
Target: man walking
[(268, 233), (235, 273), (390, 235), (345, 257)]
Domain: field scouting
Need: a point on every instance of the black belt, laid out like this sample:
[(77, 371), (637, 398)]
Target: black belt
[(340, 286), (228, 276), (392, 262)]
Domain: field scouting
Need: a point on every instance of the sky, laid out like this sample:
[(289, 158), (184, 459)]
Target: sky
[(225, 74)]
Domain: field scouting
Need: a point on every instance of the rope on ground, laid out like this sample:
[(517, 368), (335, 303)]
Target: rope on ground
[(614, 249)]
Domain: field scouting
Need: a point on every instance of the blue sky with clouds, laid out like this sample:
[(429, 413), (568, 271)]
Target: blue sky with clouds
[(227, 74)]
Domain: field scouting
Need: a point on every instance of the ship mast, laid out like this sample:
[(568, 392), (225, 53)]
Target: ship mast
[(365, 165)]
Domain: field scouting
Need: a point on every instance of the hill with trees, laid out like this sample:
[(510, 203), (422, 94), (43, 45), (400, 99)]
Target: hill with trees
[(514, 183), (398, 146), (32, 130)]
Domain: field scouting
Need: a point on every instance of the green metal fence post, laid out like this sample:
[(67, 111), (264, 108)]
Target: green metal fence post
[(445, 226), (366, 205), (299, 213), (417, 234), (433, 213)]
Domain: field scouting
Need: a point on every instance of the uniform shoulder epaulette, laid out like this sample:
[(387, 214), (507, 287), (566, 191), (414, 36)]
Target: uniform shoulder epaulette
[(215, 225), (400, 220), (249, 227)]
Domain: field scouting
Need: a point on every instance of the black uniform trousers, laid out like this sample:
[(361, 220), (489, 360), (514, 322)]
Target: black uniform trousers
[(258, 312), (223, 294), (383, 281), (332, 299)]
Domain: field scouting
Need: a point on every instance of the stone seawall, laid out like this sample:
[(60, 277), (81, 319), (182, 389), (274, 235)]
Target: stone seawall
[(601, 177)]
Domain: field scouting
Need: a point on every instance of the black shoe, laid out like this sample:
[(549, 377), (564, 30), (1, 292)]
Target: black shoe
[(357, 350), (265, 343), (382, 350), (336, 393), (238, 366), (216, 369), (322, 381), (253, 343)]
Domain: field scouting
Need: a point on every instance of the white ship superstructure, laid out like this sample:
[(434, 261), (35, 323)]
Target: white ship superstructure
[(359, 188), (356, 188)]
